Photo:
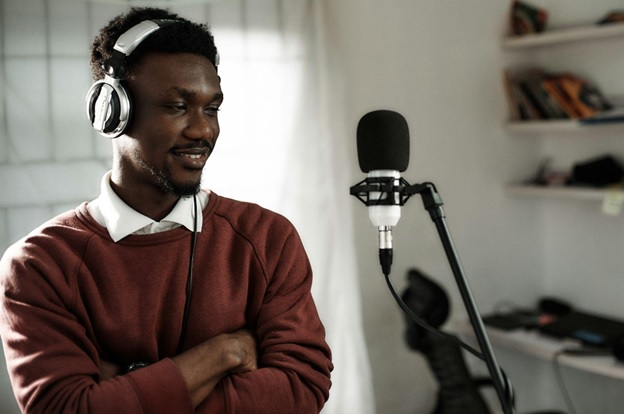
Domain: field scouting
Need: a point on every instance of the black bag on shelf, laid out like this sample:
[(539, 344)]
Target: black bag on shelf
[(597, 172)]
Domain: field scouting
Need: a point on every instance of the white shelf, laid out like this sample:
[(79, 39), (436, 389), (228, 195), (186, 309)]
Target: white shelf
[(578, 193), (544, 347), (544, 126), (556, 125), (559, 36)]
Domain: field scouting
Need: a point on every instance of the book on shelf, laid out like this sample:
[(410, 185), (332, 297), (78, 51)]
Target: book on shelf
[(534, 94), (585, 97), (615, 16), (613, 115), (553, 86), (527, 18)]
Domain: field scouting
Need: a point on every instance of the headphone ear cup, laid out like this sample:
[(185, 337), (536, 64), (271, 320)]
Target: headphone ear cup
[(108, 107)]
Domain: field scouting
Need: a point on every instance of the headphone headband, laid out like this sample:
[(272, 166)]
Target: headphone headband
[(128, 41)]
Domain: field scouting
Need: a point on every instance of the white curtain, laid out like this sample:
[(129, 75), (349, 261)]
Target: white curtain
[(276, 149)]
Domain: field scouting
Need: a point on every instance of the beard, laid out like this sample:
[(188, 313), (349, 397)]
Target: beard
[(167, 184)]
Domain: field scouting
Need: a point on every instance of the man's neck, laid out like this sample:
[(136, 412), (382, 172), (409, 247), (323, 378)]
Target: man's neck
[(150, 202)]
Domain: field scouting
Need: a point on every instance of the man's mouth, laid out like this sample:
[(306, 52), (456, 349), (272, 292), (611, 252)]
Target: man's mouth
[(193, 156)]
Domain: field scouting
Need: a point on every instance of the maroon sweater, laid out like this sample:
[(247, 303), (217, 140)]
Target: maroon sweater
[(71, 297)]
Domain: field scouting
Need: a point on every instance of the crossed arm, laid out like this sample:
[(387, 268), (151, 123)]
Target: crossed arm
[(203, 366)]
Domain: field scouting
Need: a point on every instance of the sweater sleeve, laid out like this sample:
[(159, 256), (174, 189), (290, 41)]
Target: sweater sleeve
[(294, 359), (53, 366)]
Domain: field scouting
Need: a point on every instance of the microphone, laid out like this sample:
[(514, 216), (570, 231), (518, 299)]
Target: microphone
[(383, 153)]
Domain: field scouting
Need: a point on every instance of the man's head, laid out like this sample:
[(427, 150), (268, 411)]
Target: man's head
[(175, 91), (182, 37)]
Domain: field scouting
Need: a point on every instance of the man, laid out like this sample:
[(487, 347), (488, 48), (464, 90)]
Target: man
[(158, 297)]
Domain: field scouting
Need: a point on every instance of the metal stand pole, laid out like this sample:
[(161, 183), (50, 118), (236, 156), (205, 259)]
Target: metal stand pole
[(433, 204)]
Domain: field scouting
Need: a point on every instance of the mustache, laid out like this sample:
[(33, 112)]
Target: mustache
[(195, 145)]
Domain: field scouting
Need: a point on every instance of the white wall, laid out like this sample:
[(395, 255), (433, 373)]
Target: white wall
[(440, 64)]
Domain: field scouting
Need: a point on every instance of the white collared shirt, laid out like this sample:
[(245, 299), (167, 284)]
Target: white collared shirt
[(121, 220)]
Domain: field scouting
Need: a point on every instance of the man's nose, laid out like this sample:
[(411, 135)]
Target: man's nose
[(201, 126)]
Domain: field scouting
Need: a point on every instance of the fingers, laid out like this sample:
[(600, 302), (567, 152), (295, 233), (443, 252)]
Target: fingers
[(108, 370), (245, 347)]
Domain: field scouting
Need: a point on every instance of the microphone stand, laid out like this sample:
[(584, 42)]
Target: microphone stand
[(433, 204), (393, 191)]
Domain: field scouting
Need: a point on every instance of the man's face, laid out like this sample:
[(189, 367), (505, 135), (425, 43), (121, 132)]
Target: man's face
[(174, 124)]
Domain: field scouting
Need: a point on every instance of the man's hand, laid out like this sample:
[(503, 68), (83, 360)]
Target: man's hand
[(108, 370), (206, 364), (244, 350)]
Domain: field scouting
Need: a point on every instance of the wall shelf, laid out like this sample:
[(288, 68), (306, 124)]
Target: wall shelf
[(576, 193), (610, 119), (559, 36), (544, 126), (557, 125), (541, 346)]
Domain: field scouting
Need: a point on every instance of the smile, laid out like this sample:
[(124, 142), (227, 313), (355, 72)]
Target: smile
[(192, 156)]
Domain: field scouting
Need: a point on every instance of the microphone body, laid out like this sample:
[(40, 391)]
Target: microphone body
[(383, 153), (384, 217)]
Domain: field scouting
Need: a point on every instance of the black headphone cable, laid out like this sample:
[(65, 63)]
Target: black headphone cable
[(189, 280)]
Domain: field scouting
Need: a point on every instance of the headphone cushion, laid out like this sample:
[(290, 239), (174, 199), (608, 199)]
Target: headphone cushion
[(108, 108)]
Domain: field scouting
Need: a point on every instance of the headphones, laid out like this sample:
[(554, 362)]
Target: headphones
[(108, 102)]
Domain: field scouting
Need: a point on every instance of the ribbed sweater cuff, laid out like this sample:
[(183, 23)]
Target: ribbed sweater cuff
[(161, 388)]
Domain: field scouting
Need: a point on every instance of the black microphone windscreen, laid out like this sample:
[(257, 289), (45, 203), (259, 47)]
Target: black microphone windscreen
[(383, 141)]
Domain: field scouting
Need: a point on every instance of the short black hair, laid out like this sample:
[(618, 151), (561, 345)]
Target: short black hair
[(182, 37)]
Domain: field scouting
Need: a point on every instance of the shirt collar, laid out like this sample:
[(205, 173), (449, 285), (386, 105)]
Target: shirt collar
[(121, 220)]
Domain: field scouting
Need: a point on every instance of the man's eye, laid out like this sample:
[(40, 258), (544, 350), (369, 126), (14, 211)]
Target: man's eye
[(177, 107), (212, 110)]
